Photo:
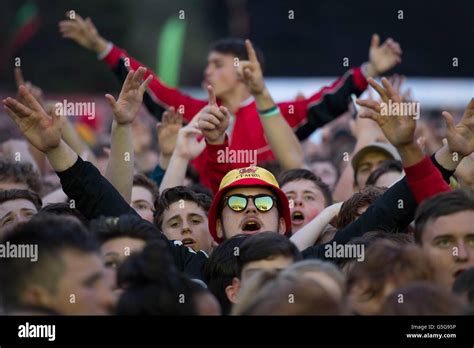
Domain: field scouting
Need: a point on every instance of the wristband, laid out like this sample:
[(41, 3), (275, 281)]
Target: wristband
[(273, 111)]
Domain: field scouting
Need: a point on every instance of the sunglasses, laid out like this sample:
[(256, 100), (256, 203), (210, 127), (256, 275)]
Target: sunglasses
[(237, 202)]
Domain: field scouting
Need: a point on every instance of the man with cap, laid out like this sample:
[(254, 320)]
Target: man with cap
[(249, 201), (368, 159)]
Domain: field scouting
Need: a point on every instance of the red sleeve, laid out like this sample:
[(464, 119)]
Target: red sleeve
[(163, 95), (307, 115), (425, 180), (217, 165)]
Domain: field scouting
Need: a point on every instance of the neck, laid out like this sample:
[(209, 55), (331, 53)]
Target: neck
[(233, 99)]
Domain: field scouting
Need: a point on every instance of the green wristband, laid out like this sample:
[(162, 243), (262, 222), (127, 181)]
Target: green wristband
[(273, 111)]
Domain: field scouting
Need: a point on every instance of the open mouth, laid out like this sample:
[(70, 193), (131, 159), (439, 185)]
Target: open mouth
[(458, 272), (251, 226), (297, 217), (189, 242)]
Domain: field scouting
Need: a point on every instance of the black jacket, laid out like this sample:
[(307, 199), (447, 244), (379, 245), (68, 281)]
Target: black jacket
[(94, 196), (384, 214)]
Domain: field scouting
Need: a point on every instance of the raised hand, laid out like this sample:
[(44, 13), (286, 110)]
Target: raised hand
[(82, 32), (130, 100), (461, 136), (383, 57), (35, 91), (251, 71), (213, 120), (40, 129), (167, 129), (398, 129), (187, 144)]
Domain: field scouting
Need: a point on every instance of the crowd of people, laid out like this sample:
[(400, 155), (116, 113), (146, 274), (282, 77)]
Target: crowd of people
[(239, 210)]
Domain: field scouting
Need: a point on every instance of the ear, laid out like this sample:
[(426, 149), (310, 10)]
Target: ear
[(232, 290), (219, 229), (282, 226), (35, 295)]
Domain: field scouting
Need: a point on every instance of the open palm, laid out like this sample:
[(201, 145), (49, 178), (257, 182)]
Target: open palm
[(131, 96), (461, 136), (399, 130), (168, 129), (42, 130)]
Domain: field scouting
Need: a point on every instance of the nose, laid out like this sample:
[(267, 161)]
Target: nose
[(186, 228), (462, 252), (298, 201), (107, 297), (251, 209), (207, 71)]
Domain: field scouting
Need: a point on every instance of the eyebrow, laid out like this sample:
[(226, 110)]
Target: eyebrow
[(111, 253), (443, 236), (92, 278), (215, 60), (177, 216), (9, 213), (305, 191), (195, 214), (140, 201)]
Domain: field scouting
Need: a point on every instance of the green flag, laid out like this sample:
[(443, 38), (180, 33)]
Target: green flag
[(170, 50)]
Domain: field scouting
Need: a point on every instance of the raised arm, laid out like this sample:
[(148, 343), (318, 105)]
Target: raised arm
[(121, 162), (283, 141), (309, 234), (158, 97), (81, 181), (307, 115), (187, 148)]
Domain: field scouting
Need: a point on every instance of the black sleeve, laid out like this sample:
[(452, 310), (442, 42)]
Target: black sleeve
[(332, 104), (391, 212), (153, 107), (187, 260), (444, 172), (93, 194)]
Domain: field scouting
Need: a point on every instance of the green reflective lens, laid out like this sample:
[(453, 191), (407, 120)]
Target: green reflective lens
[(237, 203), (263, 203)]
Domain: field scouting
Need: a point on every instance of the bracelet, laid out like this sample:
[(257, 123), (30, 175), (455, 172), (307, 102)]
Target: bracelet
[(273, 111)]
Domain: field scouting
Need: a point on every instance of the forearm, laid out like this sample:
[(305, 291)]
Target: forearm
[(448, 159), (164, 161), (310, 233), (71, 138), (175, 173), (345, 185), (119, 169), (62, 157), (283, 141), (92, 193), (410, 154)]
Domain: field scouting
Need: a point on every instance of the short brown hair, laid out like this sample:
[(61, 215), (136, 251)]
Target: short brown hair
[(349, 210), (9, 195), (143, 181), (422, 298), (304, 174), (442, 204), (384, 261), (20, 172), (175, 194), (272, 297)]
